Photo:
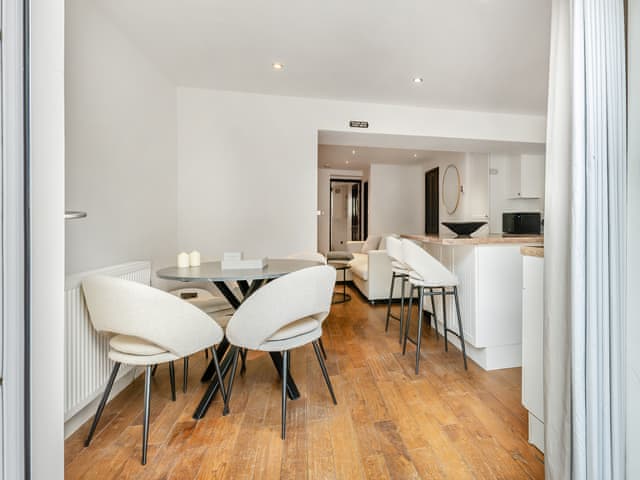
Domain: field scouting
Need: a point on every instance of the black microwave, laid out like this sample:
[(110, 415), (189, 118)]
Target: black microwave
[(521, 223)]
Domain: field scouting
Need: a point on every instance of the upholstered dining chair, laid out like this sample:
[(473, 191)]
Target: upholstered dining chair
[(312, 257), (216, 306), (149, 327), (286, 313), (430, 277)]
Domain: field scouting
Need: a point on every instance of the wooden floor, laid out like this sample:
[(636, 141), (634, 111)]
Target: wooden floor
[(389, 423)]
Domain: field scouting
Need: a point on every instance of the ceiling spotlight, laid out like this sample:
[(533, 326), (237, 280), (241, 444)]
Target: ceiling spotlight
[(278, 66), (347, 162), (353, 152), (418, 80), (415, 155)]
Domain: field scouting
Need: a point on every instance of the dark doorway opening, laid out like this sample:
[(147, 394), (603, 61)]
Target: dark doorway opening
[(365, 211), (431, 201)]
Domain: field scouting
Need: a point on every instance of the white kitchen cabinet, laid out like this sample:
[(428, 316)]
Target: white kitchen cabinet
[(532, 343), (490, 288), (525, 176)]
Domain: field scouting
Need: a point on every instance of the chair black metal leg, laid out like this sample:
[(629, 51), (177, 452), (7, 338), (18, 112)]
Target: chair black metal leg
[(103, 402), (444, 319), (172, 378), (324, 353), (404, 282), (232, 376), (407, 321), (434, 315), (243, 357), (393, 279), (285, 357), (420, 320), (206, 354), (325, 374), (153, 372), (185, 374), (464, 350), (147, 405)]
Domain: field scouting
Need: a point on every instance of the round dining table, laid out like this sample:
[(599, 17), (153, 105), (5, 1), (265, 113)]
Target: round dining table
[(248, 281)]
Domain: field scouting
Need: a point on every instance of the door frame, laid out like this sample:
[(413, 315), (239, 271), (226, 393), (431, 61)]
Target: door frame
[(344, 180), (14, 279)]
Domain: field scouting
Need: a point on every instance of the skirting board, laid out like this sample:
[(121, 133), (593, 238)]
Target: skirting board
[(536, 432), (490, 358), (79, 418)]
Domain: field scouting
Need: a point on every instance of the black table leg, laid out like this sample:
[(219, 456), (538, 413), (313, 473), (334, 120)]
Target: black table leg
[(225, 364), (211, 368), (213, 388), (292, 389)]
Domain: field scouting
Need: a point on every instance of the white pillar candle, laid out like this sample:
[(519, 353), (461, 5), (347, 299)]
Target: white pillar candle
[(183, 260), (194, 259)]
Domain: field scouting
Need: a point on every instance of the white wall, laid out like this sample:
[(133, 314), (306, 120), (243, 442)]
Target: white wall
[(485, 194), (258, 143), (471, 187), (324, 177), (121, 125), (396, 199), (47, 239), (500, 201), (633, 259)]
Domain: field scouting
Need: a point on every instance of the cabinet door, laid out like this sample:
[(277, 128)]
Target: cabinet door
[(478, 187), (531, 176), (532, 334), (513, 179)]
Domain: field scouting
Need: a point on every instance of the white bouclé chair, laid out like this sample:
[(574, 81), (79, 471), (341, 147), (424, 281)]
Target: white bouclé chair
[(430, 277), (149, 327), (286, 313)]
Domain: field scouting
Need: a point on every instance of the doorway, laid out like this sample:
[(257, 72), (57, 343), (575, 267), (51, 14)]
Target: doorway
[(431, 201), (345, 213)]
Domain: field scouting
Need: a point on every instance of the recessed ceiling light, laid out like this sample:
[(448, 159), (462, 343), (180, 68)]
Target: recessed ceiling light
[(347, 162), (418, 80), (353, 152), (415, 155), (278, 66)]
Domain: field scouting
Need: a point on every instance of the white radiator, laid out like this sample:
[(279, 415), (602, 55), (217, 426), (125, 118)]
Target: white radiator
[(87, 367)]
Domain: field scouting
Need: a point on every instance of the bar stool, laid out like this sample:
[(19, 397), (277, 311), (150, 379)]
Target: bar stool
[(431, 278), (398, 270)]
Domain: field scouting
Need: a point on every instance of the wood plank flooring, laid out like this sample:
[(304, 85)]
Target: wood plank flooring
[(389, 423)]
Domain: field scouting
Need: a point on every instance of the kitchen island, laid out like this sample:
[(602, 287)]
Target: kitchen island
[(489, 269)]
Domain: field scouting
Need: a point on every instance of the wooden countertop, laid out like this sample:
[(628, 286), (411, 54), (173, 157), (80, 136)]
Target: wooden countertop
[(532, 250), (480, 240)]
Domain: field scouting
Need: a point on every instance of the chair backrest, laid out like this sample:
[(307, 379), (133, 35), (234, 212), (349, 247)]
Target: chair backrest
[(131, 308), (304, 293), (429, 269), (311, 256), (394, 248)]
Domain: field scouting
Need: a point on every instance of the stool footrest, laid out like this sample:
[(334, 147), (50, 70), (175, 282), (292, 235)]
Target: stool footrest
[(394, 316)]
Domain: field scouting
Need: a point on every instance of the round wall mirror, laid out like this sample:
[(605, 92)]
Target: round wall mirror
[(451, 189)]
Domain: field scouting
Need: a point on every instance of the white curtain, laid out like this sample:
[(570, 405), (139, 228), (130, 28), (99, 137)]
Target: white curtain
[(585, 216)]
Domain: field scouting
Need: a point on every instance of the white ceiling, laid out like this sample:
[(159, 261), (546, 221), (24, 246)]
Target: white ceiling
[(488, 55)]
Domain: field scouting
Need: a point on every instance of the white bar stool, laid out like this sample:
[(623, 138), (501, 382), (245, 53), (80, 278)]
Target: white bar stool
[(398, 270), (431, 278)]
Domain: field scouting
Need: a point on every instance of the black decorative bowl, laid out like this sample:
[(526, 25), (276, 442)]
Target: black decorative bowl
[(463, 229)]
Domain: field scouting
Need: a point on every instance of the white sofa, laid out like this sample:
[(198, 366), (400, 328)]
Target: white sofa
[(371, 273)]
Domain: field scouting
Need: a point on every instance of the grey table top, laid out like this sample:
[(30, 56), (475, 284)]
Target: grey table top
[(213, 272)]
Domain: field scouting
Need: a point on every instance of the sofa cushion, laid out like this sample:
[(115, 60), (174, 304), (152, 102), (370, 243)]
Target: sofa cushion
[(371, 244), (360, 265), (339, 255)]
